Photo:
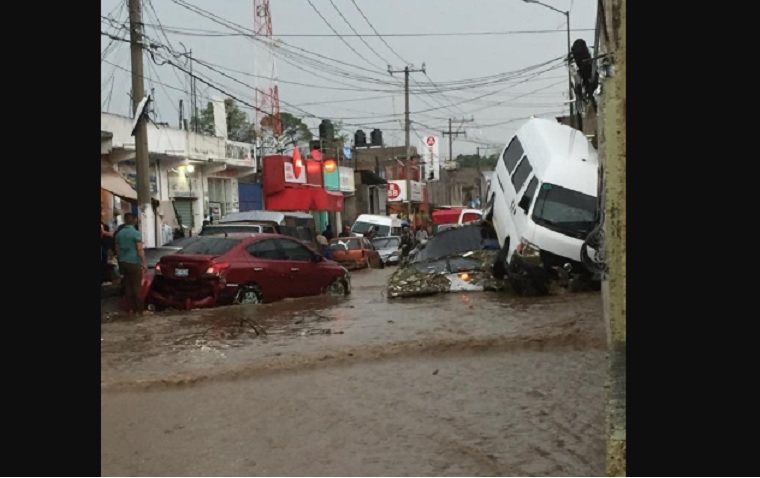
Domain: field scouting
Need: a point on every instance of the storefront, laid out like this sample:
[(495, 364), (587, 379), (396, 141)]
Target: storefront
[(185, 191), (298, 186)]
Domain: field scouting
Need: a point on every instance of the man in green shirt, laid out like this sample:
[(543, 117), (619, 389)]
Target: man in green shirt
[(132, 264)]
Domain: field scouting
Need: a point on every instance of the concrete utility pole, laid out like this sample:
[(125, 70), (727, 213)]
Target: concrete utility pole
[(141, 132), (406, 72), (450, 133)]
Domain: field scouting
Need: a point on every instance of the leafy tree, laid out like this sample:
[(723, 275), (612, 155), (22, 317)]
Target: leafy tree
[(471, 161), (294, 130), (238, 126)]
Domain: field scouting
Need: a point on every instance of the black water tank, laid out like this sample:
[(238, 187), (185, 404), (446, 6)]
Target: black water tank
[(326, 130), (376, 137), (360, 139)]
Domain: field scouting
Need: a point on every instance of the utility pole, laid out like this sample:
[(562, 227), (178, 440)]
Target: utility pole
[(480, 175), (450, 133), (141, 132), (407, 144)]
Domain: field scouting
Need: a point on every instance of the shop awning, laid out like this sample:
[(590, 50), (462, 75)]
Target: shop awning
[(115, 183), (305, 199)]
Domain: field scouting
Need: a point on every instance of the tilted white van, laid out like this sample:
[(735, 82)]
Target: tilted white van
[(543, 203)]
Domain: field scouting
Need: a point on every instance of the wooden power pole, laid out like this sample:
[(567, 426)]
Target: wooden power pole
[(407, 144), (141, 131)]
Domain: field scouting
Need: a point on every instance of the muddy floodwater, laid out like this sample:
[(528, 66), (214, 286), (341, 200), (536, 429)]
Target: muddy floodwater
[(467, 384)]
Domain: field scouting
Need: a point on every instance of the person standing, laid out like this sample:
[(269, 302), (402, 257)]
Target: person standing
[(132, 263), (346, 231), (328, 233), (106, 245), (422, 235)]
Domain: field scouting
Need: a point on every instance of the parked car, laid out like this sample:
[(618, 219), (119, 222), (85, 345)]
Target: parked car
[(152, 256), (224, 229), (217, 271), (355, 253), (388, 248)]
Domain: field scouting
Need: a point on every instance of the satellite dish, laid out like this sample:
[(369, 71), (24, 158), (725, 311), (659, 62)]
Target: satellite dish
[(142, 107)]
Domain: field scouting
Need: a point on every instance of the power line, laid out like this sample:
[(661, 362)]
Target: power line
[(197, 32)]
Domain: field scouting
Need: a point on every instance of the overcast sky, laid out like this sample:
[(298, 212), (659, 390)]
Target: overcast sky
[(457, 64)]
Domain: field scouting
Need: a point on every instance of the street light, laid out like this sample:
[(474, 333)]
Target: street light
[(569, 75)]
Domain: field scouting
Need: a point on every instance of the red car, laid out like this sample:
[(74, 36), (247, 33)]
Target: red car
[(246, 270), (355, 253)]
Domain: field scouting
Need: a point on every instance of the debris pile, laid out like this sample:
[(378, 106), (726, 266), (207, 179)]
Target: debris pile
[(431, 277)]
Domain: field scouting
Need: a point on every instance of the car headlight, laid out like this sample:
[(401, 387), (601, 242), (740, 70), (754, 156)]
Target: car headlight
[(528, 250)]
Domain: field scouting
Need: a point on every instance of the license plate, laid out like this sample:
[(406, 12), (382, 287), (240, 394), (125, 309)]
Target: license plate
[(180, 272)]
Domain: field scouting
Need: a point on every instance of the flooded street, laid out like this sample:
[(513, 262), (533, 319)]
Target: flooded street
[(469, 384)]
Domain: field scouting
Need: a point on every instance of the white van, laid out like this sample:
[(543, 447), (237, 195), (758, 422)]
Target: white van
[(384, 225), (543, 203)]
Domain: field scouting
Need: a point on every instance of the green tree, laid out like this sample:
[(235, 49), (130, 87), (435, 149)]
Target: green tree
[(238, 126), (487, 163), (294, 130)]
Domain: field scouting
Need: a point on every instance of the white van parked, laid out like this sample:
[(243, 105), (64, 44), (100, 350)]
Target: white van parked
[(384, 225), (543, 203)]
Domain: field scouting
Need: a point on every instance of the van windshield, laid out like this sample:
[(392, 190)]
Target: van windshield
[(362, 227), (565, 211)]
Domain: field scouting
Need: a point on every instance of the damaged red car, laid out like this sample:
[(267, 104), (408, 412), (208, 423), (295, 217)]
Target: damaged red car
[(244, 270)]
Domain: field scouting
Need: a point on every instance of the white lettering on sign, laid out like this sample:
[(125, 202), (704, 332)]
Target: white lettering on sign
[(394, 191)]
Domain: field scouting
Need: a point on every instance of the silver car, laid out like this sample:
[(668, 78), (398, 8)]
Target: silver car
[(388, 247)]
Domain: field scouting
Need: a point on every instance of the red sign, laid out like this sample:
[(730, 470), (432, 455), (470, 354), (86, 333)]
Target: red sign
[(430, 140), (394, 191)]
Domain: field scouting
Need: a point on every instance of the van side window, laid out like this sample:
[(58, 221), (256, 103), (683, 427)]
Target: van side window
[(521, 174), (527, 197), (512, 154)]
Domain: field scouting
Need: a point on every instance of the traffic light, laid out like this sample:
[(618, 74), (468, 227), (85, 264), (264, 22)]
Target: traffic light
[(360, 139), (376, 137), (326, 130)]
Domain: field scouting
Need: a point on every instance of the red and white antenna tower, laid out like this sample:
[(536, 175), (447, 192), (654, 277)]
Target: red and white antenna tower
[(267, 94)]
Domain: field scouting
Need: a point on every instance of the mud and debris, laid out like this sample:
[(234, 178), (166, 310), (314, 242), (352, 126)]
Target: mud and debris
[(349, 386), (432, 276)]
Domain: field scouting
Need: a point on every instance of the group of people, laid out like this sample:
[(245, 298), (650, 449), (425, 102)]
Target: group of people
[(125, 244)]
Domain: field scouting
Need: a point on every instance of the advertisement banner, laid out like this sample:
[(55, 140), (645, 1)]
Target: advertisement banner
[(346, 179), (332, 180)]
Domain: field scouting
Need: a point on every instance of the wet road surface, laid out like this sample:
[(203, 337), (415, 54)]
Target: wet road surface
[(476, 384)]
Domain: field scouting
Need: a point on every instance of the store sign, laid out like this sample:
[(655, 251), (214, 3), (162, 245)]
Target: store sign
[(290, 176), (332, 179), (397, 191), (430, 158), (346, 179)]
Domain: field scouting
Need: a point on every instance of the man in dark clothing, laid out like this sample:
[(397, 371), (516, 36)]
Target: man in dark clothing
[(346, 232), (328, 233), (407, 242)]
